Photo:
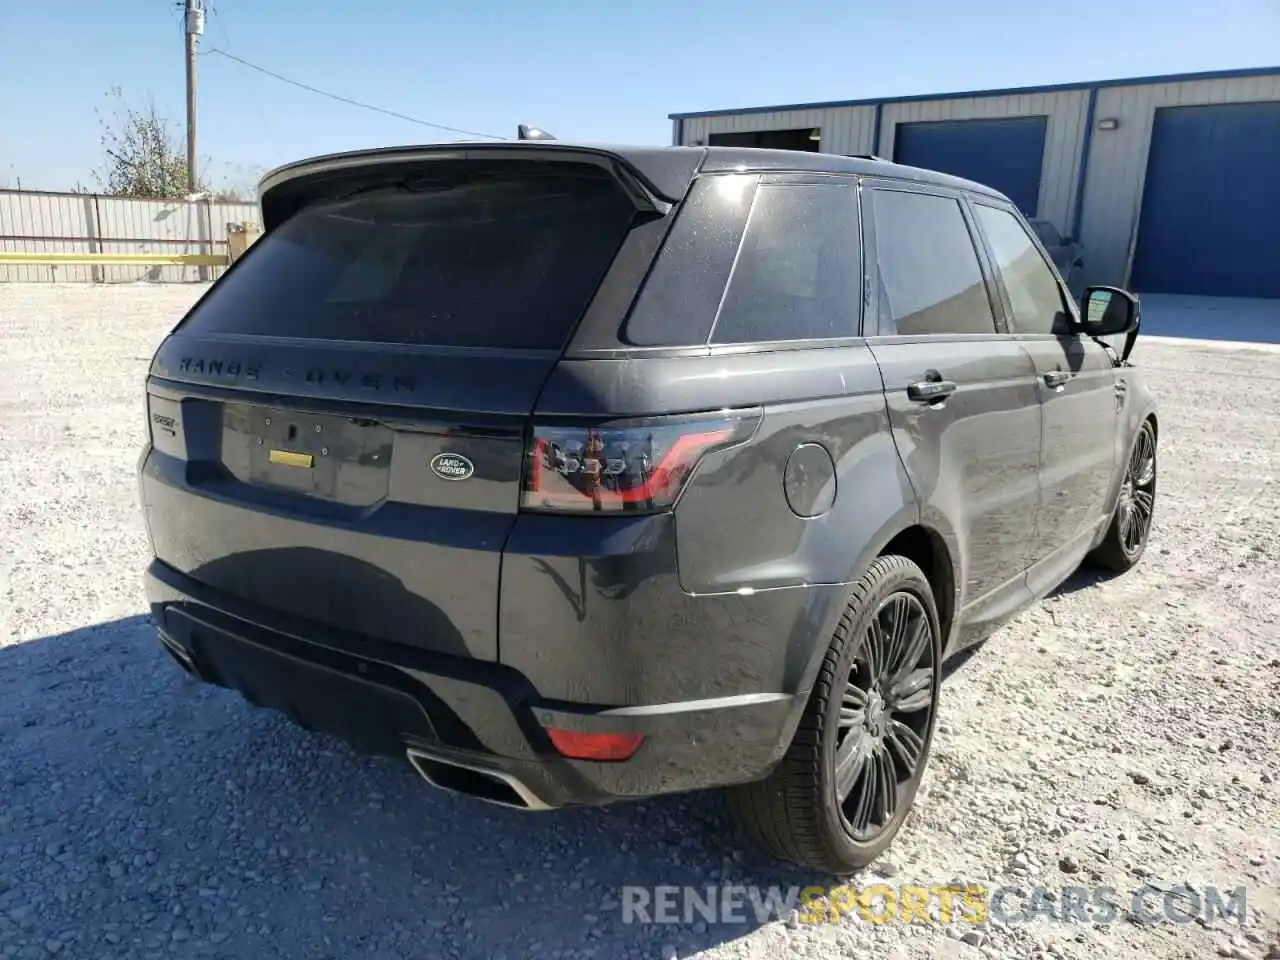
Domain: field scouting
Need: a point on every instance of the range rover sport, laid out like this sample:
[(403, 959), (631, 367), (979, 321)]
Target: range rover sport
[(577, 474)]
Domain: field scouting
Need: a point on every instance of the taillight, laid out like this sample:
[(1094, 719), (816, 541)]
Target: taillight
[(624, 465), (595, 746)]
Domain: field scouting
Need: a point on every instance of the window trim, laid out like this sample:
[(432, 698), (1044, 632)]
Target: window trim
[(829, 181), (871, 270), (972, 201)]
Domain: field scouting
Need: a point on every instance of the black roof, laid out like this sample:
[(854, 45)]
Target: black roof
[(723, 159), (667, 171)]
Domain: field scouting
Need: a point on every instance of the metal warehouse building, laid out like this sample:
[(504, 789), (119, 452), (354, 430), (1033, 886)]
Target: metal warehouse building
[(1172, 184)]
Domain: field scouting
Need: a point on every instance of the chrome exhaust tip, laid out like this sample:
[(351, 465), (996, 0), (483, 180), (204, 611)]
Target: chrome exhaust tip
[(179, 654), (482, 783)]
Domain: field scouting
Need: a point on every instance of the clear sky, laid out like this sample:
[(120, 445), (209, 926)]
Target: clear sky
[(608, 70)]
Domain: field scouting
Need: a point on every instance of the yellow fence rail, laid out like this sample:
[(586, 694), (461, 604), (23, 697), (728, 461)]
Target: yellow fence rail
[(143, 259)]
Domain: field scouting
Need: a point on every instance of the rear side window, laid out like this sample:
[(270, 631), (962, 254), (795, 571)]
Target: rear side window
[(679, 301), (1035, 299), (798, 275), (930, 278), (504, 261)]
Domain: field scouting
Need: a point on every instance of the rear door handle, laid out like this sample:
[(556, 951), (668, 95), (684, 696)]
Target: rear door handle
[(931, 391), (1056, 378)]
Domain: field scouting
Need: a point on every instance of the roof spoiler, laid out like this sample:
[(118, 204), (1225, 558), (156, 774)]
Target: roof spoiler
[(654, 179)]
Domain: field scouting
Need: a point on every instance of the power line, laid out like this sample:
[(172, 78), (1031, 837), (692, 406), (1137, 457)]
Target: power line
[(348, 100)]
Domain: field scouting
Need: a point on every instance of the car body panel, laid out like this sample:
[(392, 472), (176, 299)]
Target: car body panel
[(1078, 394), (1078, 453), (973, 458), (389, 548), (737, 527), (384, 697)]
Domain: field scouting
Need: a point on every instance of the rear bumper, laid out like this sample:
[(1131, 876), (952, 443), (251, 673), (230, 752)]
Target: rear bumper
[(392, 698)]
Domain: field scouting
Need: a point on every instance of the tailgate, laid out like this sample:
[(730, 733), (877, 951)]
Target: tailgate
[(382, 521), (338, 427)]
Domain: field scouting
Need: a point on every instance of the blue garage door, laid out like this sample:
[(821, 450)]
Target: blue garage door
[(1210, 220), (1006, 154)]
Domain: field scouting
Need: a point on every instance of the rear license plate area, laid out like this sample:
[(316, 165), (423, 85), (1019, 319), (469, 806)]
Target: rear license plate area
[(343, 459)]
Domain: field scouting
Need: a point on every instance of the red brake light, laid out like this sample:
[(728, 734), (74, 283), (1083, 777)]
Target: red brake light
[(595, 746), (621, 466)]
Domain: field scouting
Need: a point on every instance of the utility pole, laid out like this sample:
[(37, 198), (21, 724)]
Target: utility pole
[(194, 28)]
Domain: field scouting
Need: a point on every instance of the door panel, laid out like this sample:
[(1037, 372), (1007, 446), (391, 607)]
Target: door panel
[(974, 456), (961, 398), (1075, 383), (1079, 429)]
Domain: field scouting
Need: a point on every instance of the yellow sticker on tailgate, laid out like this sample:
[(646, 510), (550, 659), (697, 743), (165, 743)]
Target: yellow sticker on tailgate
[(287, 458)]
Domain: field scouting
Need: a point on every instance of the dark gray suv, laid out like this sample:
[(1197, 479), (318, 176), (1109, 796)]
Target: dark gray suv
[(576, 474)]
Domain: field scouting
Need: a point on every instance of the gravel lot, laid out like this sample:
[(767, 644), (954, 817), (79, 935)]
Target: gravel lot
[(1121, 733)]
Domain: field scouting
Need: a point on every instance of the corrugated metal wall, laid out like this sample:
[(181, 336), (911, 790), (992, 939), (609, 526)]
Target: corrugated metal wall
[(1118, 161), (851, 130), (1105, 218), (1064, 135), (845, 130), (33, 222)]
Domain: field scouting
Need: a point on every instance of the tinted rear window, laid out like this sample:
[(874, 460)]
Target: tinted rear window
[(503, 261), (799, 271), (789, 254), (678, 303), (930, 277)]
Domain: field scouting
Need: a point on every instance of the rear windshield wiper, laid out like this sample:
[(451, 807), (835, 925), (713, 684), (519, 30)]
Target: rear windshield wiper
[(399, 185)]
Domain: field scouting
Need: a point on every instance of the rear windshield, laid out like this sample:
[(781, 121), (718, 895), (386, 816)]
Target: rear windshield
[(504, 261)]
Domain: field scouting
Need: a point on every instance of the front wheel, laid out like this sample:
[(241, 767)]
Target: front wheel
[(847, 782), (1126, 538)]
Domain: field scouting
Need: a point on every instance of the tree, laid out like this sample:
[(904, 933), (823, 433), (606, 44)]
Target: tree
[(236, 182), (144, 156)]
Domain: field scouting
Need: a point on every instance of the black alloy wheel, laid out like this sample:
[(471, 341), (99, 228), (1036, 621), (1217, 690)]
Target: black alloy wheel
[(850, 775), (1130, 529), (1138, 494), (885, 715)]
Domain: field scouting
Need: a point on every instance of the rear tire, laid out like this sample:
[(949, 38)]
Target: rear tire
[(1130, 529), (848, 780)]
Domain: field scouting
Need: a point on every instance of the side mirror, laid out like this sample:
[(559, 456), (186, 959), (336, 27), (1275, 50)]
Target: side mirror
[(1110, 311)]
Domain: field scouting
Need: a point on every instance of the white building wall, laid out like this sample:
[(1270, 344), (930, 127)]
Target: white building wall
[(1118, 161), (1066, 112), (845, 130)]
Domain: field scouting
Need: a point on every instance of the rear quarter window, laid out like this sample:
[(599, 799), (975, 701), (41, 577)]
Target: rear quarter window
[(798, 275), (500, 261), (678, 302), (750, 262)]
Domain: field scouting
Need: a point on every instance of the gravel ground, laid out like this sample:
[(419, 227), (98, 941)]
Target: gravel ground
[(1121, 733)]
